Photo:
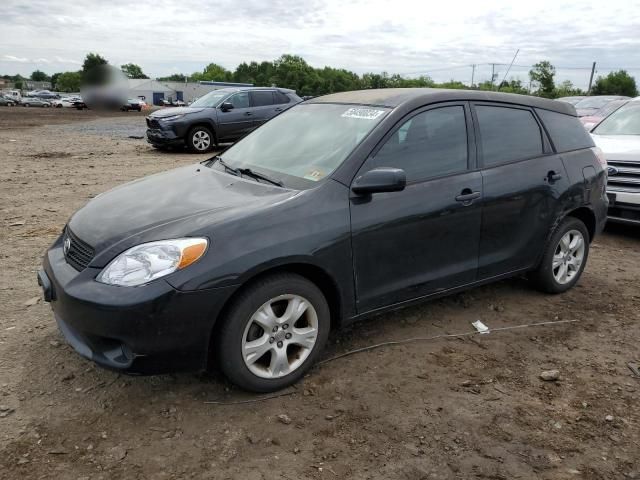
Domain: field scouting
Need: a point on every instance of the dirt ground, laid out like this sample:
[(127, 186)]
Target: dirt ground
[(465, 407)]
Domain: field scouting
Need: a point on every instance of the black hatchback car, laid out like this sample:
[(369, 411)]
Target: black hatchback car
[(342, 207), (221, 116)]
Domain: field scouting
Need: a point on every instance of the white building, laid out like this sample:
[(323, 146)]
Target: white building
[(153, 92)]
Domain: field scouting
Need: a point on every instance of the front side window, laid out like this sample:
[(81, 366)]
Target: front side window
[(430, 144), (508, 134), (306, 143), (261, 98), (239, 100)]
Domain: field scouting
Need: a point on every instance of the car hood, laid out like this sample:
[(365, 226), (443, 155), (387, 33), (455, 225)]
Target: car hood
[(186, 201), (619, 147), (171, 111)]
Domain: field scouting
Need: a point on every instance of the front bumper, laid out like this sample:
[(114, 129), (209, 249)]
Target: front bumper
[(138, 330), (624, 207), (157, 136)]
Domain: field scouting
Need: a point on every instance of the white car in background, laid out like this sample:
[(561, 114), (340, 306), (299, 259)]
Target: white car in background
[(66, 102), (618, 136)]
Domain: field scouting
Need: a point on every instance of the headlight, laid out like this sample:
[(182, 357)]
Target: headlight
[(172, 118), (148, 261)]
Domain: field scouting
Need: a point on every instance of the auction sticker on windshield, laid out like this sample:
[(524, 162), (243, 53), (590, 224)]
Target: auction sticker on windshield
[(363, 113)]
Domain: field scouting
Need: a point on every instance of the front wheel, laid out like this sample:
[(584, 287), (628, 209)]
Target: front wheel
[(273, 333), (200, 139), (564, 258)]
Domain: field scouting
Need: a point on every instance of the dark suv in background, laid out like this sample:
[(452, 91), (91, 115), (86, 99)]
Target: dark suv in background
[(224, 115)]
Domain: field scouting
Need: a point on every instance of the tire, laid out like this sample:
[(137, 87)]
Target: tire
[(561, 255), (278, 358), (200, 139), (59, 106)]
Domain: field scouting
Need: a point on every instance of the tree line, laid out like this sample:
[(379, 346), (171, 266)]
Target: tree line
[(292, 71)]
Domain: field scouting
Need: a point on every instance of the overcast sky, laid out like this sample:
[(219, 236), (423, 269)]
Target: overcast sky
[(409, 37)]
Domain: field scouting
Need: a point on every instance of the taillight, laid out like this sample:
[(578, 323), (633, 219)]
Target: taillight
[(600, 156)]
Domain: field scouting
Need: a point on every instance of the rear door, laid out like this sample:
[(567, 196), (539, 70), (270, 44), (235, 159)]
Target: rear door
[(523, 181), (237, 122), (425, 238)]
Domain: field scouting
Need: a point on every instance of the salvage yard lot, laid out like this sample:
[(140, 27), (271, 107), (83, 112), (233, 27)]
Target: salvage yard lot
[(463, 407)]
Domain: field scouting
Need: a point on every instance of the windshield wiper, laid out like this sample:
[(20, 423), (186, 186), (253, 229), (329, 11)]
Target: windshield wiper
[(259, 176), (227, 167)]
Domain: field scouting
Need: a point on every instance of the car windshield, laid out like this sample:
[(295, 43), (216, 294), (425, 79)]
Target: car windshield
[(306, 143), (594, 102), (610, 108), (211, 99), (624, 121)]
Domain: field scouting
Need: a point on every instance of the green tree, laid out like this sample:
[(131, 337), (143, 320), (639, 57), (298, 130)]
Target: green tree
[(131, 70), (91, 61), (39, 76), (213, 72), (543, 73), (511, 86), (69, 82), (567, 89), (176, 77), (616, 83), (54, 79)]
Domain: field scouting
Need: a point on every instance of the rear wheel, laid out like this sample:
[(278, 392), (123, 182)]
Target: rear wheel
[(564, 258), (200, 139), (273, 333)]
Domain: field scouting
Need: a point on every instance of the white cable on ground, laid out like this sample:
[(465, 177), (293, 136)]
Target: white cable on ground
[(444, 335), (393, 343)]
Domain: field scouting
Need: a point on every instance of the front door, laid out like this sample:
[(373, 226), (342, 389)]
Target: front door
[(424, 239), (237, 122)]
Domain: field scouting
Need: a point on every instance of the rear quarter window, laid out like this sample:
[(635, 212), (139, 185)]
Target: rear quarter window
[(566, 131)]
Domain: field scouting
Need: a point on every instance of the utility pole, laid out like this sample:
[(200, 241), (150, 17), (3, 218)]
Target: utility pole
[(493, 66), (593, 70), (473, 73)]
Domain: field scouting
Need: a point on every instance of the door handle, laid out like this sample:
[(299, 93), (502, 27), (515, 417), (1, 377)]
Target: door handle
[(553, 177), (247, 114), (467, 196)]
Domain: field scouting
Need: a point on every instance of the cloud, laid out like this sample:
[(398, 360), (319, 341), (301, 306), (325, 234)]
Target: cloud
[(11, 58), (406, 36)]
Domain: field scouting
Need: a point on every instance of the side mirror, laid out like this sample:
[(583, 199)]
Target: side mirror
[(226, 106), (379, 180)]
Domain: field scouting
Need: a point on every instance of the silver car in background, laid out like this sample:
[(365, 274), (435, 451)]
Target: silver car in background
[(618, 136)]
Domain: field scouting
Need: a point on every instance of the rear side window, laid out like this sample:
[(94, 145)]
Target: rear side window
[(430, 144), (281, 98), (566, 131), (508, 134), (262, 98)]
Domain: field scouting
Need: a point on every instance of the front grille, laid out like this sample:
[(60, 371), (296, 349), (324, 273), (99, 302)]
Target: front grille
[(152, 123), (77, 253), (627, 179)]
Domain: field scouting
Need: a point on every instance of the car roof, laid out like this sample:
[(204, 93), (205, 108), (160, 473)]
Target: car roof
[(243, 89), (395, 97)]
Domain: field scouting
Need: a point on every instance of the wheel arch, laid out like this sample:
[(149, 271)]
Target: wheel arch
[(207, 124), (312, 272), (586, 216)]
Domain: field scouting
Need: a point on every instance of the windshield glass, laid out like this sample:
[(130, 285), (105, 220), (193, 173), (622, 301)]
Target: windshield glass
[(625, 121), (306, 143), (211, 99), (594, 102)]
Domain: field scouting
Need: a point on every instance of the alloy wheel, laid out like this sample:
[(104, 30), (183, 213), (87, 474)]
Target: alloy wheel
[(280, 336), (201, 140), (568, 257)]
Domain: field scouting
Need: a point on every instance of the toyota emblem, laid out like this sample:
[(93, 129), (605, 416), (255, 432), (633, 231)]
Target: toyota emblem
[(66, 245)]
